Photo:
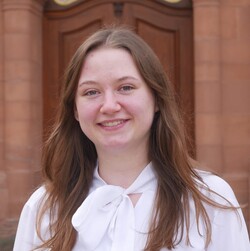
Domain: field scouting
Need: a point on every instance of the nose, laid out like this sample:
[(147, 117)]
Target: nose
[(110, 104)]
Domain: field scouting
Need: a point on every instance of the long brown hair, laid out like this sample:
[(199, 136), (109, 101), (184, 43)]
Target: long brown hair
[(69, 157)]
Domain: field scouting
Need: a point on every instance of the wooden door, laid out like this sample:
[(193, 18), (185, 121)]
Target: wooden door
[(167, 28)]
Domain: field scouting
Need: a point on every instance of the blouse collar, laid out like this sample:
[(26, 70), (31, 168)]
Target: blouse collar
[(146, 175), (108, 209)]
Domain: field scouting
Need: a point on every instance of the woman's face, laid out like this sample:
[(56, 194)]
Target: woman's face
[(114, 106)]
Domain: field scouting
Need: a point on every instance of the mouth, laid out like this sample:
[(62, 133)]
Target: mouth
[(113, 123)]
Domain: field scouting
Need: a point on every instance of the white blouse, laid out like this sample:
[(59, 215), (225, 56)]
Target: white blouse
[(108, 221)]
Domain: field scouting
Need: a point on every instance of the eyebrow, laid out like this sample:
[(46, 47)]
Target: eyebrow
[(87, 82), (91, 82), (126, 78)]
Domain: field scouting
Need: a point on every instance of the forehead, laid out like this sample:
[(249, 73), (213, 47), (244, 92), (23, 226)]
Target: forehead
[(109, 61), (106, 54)]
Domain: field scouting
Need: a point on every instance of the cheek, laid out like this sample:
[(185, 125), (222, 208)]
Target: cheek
[(86, 117), (143, 110), (86, 121), (146, 104)]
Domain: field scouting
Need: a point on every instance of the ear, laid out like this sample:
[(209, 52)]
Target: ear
[(76, 113), (156, 107)]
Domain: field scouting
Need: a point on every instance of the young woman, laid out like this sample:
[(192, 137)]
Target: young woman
[(118, 176)]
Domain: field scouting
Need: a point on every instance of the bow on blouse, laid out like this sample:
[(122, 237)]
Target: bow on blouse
[(108, 211)]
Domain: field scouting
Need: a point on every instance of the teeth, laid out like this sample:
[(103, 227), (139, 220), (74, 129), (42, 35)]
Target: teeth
[(113, 123)]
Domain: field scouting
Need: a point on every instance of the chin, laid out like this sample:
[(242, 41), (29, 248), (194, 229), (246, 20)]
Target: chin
[(115, 146)]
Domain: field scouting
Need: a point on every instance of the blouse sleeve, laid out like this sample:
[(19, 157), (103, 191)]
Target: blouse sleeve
[(25, 231), (229, 230), (26, 235)]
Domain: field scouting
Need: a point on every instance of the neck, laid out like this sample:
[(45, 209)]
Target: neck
[(121, 169)]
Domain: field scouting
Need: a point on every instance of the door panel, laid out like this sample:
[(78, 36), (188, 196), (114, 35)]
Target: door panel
[(70, 41), (163, 42)]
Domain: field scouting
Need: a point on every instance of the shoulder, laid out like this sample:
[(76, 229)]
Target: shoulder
[(26, 235), (219, 189), (36, 197), (32, 206)]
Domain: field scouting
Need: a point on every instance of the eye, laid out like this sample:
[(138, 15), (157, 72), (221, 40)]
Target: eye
[(91, 93), (126, 88)]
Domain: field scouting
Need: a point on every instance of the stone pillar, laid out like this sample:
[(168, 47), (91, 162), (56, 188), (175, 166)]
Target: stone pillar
[(208, 119), (3, 184), (222, 86), (235, 77), (22, 71)]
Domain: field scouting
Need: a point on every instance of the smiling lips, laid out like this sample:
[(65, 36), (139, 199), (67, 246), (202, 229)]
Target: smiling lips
[(113, 123)]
